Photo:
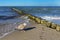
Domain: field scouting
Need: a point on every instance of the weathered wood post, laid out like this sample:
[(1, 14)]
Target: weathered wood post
[(48, 24), (58, 28), (38, 20), (53, 25)]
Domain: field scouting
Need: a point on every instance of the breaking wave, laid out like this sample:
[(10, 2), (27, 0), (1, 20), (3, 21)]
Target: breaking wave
[(51, 17)]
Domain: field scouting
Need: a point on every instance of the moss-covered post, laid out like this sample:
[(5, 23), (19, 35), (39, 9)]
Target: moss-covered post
[(48, 24), (53, 25), (38, 20), (58, 28)]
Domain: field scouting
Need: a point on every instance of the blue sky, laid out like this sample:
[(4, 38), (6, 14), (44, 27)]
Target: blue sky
[(29, 2)]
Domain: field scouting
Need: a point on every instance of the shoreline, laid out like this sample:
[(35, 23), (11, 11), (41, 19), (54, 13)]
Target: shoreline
[(39, 33)]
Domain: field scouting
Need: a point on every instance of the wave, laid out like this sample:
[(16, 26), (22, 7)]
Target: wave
[(7, 17), (4, 34), (51, 17)]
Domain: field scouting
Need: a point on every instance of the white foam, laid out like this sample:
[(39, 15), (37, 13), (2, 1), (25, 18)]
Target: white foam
[(3, 35), (51, 17)]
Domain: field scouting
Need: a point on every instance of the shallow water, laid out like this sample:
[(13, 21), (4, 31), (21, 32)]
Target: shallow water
[(8, 26)]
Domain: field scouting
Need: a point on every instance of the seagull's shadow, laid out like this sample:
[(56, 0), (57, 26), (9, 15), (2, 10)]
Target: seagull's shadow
[(26, 29)]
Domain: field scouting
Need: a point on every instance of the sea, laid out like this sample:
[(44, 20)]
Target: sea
[(7, 23)]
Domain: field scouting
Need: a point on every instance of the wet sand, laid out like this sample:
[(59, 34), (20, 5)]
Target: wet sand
[(39, 33)]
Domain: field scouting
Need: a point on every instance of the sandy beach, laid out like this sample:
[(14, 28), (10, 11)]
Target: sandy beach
[(39, 33)]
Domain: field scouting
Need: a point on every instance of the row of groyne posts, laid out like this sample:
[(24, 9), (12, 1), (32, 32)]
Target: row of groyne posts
[(39, 20)]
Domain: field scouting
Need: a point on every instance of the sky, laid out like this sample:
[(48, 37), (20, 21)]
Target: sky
[(29, 2)]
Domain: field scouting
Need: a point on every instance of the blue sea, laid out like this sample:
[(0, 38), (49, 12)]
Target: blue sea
[(50, 13)]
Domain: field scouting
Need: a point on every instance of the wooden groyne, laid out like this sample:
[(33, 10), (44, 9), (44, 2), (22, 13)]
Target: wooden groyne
[(18, 11), (39, 20)]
